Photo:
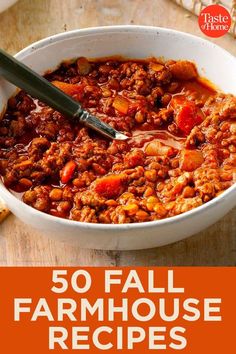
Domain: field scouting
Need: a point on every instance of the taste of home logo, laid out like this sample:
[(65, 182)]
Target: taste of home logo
[(214, 21)]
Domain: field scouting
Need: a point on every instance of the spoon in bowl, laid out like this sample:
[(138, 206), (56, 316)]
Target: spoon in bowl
[(38, 87)]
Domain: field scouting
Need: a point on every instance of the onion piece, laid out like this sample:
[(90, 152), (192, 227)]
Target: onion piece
[(83, 66), (156, 66), (121, 104)]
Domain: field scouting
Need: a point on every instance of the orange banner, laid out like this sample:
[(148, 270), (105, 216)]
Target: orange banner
[(124, 310)]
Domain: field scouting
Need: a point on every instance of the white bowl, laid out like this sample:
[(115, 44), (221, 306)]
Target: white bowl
[(136, 42), (4, 4)]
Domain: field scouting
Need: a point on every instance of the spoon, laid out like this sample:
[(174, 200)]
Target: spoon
[(37, 86)]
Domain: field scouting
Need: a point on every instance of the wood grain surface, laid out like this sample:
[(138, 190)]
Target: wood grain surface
[(29, 21)]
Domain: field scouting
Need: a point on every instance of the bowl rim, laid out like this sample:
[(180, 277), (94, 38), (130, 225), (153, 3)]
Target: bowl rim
[(148, 224), (7, 4)]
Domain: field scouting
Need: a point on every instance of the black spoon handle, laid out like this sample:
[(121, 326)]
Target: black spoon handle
[(22, 76), (37, 86)]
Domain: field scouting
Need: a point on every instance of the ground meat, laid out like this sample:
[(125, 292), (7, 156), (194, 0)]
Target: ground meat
[(181, 152), (181, 205), (91, 199), (86, 214)]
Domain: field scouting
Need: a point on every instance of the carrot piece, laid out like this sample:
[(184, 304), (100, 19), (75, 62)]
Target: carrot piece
[(121, 104), (69, 89), (190, 160), (110, 186), (187, 114), (68, 171)]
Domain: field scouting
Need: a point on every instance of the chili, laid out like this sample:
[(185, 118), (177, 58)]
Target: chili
[(181, 152)]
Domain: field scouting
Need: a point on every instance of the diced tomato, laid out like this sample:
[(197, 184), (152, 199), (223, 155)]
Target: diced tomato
[(68, 171), (110, 186), (121, 104), (183, 70), (156, 148), (190, 160), (69, 89), (187, 114)]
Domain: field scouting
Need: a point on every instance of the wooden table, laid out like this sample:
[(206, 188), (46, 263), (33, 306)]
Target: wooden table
[(29, 21)]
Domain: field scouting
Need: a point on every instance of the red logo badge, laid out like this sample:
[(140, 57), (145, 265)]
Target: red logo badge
[(214, 21)]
